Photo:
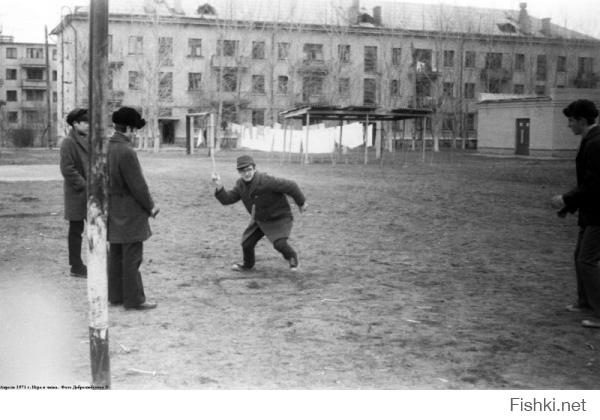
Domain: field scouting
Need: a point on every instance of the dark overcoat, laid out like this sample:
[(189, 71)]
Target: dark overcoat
[(585, 197), (73, 166), (129, 200), (265, 199)]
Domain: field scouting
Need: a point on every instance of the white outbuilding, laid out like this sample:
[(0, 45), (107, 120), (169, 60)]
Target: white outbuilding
[(529, 125)]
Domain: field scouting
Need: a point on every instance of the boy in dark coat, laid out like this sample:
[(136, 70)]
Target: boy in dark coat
[(265, 199), (129, 206), (73, 166), (585, 199)]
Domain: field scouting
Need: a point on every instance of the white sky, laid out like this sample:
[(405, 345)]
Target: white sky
[(25, 19)]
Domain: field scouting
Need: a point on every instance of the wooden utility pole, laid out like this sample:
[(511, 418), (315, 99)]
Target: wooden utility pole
[(49, 130), (97, 282)]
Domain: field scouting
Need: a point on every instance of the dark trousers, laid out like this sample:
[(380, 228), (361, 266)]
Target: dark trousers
[(587, 257), (74, 240), (249, 244), (124, 279)]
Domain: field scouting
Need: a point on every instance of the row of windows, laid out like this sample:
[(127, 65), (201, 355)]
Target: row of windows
[(312, 85), (34, 95), (34, 53), (32, 74), (314, 53), (30, 117)]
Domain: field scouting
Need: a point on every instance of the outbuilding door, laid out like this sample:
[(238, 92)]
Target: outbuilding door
[(522, 136)]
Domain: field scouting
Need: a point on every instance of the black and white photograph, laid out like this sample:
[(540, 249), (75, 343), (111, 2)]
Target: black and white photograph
[(308, 208)]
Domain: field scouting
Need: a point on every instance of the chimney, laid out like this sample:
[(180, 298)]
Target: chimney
[(524, 22), (353, 12), (546, 27), (377, 15)]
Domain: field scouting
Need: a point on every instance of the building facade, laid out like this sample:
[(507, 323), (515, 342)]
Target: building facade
[(24, 90), (248, 61)]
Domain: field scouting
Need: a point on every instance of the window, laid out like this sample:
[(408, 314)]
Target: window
[(469, 90), (165, 85), (344, 87), (11, 96), (11, 74), (396, 56), (493, 60), (422, 59), (282, 84), (227, 47), (313, 52), (344, 53), (194, 47), (194, 81), (34, 73), (519, 89), (561, 63), (395, 87), (110, 44), (54, 97), (258, 50), (369, 92), (448, 89), (258, 117), (585, 65), (165, 51), (370, 59), (13, 117), (448, 122), (34, 52), (470, 121), (136, 45), (32, 117), (229, 80), (540, 71), (519, 62), (448, 58), (540, 90), (312, 85), (135, 82), (11, 52), (283, 50), (54, 54), (33, 94), (470, 59), (258, 83), (54, 75)]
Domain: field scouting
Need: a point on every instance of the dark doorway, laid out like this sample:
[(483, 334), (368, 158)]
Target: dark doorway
[(167, 131), (522, 147)]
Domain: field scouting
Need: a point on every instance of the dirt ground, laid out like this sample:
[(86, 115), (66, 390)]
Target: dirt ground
[(447, 274)]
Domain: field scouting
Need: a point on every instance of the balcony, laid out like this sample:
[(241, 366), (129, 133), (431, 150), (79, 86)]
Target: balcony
[(242, 63), (500, 74), (313, 67), (302, 99), (33, 84), (587, 80)]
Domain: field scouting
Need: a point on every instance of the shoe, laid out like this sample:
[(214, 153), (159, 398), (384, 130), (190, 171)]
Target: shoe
[(143, 306), (241, 267), (79, 271), (591, 323), (115, 303), (578, 308), (294, 264)]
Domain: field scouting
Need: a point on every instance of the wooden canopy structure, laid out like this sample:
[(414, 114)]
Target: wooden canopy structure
[(366, 114)]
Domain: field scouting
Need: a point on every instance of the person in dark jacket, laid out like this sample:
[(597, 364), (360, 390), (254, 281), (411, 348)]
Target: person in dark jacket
[(73, 166), (264, 197), (585, 199), (129, 206)]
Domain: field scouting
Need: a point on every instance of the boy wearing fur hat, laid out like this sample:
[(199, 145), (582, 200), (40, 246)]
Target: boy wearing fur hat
[(129, 206), (264, 197), (73, 166)]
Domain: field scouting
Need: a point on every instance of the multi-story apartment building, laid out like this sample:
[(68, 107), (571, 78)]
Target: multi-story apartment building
[(248, 61), (23, 87)]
